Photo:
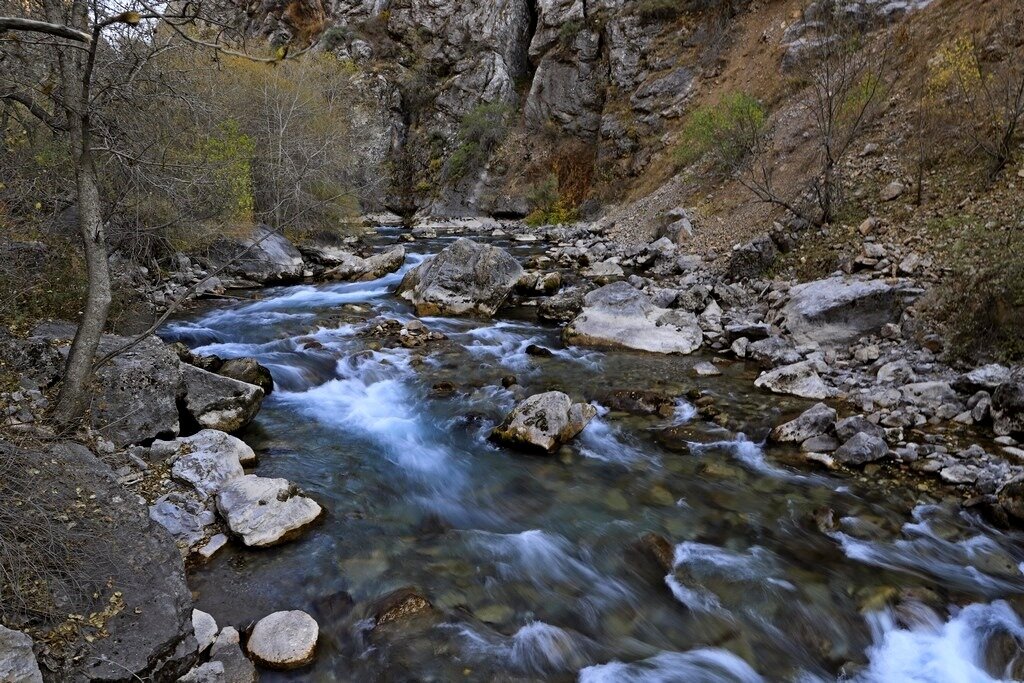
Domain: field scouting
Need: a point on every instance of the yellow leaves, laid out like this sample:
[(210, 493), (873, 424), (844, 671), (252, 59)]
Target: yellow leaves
[(954, 65)]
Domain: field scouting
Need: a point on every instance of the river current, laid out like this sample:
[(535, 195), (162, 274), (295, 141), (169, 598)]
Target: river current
[(782, 572)]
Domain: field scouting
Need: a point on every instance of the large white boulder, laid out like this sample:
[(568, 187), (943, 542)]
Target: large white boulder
[(284, 640), (265, 512), (465, 278), (620, 316), (208, 459), (839, 310)]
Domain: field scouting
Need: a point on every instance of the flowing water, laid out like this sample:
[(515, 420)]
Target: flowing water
[(531, 562)]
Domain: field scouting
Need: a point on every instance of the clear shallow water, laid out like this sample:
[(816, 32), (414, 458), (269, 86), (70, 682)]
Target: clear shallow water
[(531, 561)]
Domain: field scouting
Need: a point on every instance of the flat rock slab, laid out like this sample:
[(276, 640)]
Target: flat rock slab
[(284, 640), (265, 512), (798, 379), (221, 403), (620, 316), (209, 459), (120, 551)]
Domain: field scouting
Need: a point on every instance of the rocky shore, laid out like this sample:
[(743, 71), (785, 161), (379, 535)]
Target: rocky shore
[(160, 466)]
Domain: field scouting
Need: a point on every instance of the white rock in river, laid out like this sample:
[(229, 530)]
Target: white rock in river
[(205, 628), (284, 640), (210, 672), (264, 512), (798, 379), (620, 316), (17, 661), (465, 278), (545, 421), (208, 459), (217, 402), (815, 421)]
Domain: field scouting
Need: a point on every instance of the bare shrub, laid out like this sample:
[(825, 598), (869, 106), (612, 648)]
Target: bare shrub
[(42, 562), (975, 88)]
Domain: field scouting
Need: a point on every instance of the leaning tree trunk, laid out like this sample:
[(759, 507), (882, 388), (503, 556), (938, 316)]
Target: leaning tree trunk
[(78, 371), (77, 76)]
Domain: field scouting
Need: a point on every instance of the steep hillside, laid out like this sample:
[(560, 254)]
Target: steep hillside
[(568, 107)]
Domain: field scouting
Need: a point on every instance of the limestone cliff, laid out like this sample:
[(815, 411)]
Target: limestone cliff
[(496, 107)]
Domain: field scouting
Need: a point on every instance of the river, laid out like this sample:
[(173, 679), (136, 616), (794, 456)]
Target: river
[(782, 573)]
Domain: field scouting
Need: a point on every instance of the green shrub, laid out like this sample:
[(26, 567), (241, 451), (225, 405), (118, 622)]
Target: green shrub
[(659, 11), (728, 132), (548, 206), (228, 153), (480, 132)]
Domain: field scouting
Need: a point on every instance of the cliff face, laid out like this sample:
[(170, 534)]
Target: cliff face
[(503, 107), (483, 101)]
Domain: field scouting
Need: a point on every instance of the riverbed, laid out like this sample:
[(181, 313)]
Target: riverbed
[(782, 572)]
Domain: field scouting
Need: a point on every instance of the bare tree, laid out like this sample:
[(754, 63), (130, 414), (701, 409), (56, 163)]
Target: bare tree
[(67, 63), (987, 95), (844, 79)]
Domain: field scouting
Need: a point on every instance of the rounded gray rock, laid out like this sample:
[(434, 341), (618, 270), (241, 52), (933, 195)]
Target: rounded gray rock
[(284, 640)]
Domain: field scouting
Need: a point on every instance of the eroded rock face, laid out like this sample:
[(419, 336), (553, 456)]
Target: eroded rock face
[(150, 635), (265, 512), (264, 257), (465, 278), (544, 421), (217, 402), (620, 316), (839, 310), (137, 392), (33, 358), (1008, 408), (17, 661), (284, 640), (815, 421)]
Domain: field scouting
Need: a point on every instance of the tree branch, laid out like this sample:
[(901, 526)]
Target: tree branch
[(35, 109), (59, 30)]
